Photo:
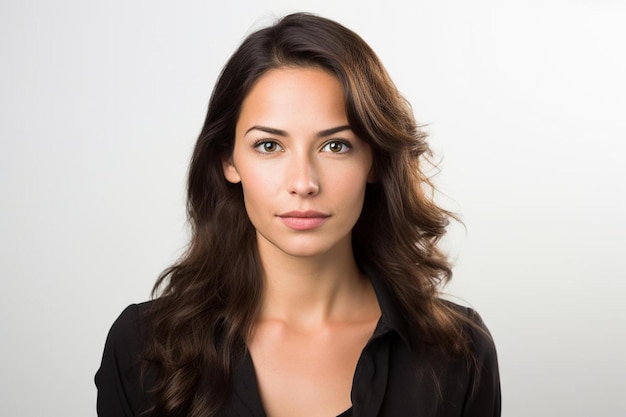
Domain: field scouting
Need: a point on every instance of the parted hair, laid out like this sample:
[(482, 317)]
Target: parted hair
[(207, 302)]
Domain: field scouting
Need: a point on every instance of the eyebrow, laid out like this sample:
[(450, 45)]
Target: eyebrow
[(278, 132)]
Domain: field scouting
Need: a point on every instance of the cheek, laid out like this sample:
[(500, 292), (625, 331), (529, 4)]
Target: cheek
[(350, 191), (258, 188)]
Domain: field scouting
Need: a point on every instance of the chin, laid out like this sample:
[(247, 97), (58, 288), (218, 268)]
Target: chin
[(304, 251), (305, 247)]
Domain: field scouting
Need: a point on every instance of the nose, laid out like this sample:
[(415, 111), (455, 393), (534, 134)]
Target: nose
[(302, 177)]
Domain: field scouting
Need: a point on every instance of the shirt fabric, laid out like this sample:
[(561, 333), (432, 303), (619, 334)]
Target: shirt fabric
[(392, 377)]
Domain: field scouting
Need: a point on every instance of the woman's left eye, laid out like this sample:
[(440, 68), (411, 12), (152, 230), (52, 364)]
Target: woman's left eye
[(336, 147)]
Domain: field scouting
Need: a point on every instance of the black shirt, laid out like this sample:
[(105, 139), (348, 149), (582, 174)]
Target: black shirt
[(391, 378)]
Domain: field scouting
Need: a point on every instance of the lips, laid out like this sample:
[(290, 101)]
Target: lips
[(303, 220)]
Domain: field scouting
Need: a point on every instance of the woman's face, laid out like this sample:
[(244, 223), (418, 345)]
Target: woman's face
[(303, 171)]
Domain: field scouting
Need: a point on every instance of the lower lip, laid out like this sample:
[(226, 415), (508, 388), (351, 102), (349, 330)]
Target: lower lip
[(303, 223)]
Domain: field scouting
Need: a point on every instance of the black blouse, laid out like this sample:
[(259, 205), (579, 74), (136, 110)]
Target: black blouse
[(392, 379)]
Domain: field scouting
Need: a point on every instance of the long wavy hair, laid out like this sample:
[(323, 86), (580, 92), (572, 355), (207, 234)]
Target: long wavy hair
[(206, 304)]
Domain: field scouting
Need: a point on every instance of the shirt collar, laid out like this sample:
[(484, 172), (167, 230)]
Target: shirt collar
[(392, 317)]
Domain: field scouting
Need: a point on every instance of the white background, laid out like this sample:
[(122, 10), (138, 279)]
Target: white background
[(101, 102)]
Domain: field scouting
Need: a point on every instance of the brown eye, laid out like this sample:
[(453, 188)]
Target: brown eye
[(267, 146), (337, 147)]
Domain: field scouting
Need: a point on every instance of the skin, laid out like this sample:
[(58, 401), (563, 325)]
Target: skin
[(303, 174)]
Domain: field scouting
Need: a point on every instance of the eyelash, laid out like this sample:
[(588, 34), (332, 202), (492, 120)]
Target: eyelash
[(347, 145), (261, 142), (257, 144)]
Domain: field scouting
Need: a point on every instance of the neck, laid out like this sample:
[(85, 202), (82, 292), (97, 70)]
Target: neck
[(310, 291)]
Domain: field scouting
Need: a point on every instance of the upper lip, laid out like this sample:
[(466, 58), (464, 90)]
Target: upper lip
[(304, 214)]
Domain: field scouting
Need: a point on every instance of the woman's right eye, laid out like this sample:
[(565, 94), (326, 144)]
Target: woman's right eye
[(267, 146)]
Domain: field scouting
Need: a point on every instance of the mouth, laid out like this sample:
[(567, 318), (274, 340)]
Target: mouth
[(308, 214), (303, 220)]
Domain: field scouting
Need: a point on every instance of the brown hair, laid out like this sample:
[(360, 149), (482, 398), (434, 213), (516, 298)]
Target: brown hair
[(210, 297)]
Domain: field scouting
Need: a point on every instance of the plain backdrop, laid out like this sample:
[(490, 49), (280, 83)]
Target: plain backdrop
[(525, 103)]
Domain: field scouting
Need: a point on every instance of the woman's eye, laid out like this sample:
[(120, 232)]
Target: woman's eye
[(336, 147), (267, 146)]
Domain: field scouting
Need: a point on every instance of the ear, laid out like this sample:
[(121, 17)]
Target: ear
[(230, 171)]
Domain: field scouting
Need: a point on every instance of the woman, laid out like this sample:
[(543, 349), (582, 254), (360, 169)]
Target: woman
[(311, 282)]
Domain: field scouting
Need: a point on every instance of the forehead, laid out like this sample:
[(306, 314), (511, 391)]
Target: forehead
[(301, 76), (289, 95)]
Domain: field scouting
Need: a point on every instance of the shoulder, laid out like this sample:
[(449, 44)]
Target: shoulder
[(481, 338), (129, 323), (119, 378), (128, 330), (127, 334), (483, 395), (424, 378)]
